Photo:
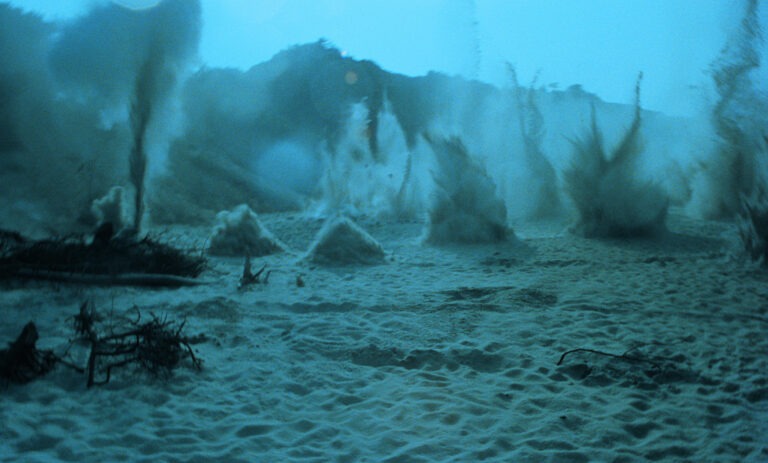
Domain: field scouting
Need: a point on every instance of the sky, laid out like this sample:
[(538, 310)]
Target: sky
[(599, 44)]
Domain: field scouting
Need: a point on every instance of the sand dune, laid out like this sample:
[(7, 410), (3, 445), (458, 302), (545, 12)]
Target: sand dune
[(439, 354)]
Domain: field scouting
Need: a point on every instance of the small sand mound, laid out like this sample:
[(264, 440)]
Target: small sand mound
[(342, 242), (240, 233)]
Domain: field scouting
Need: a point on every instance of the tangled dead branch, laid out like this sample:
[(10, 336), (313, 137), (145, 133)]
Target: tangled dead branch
[(633, 368), (156, 346)]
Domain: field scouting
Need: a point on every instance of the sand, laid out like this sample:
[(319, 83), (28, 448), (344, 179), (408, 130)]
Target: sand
[(441, 354)]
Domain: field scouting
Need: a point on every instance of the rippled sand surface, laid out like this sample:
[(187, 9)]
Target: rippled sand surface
[(441, 354)]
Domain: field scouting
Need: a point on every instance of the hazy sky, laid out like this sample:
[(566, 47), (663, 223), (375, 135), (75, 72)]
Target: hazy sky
[(600, 44)]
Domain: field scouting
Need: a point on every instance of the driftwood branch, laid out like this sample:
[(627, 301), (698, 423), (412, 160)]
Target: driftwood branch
[(157, 346)]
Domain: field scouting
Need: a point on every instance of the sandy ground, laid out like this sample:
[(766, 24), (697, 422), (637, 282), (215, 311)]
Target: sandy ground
[(441, 354)]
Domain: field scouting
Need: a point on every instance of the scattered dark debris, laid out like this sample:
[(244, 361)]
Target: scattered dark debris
[(649, 373), (156, 346), (249, 278)]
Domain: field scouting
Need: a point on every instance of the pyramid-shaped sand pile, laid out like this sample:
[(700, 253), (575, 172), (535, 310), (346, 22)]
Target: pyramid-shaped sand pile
[(240, 233), (342, 242)]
